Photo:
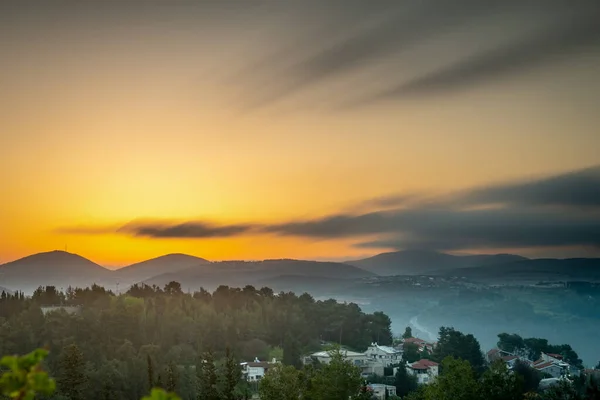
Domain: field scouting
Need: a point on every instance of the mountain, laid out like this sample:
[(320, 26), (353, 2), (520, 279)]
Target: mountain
[(54, 268), (241, 273), (169, 263), (416, 262), (531, 271)]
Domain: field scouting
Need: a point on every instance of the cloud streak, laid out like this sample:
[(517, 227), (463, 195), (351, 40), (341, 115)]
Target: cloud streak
[(550, 29), (556, 211)]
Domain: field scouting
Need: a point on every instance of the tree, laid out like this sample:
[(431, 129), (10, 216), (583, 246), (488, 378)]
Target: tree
[(150, 368), (23, 377), (453, 343), (281, 382), (207, 378), (498, 383), (597, 365), (407, 333), (291, 351), (404, 382), (411, 352), (337, 380), (457, 382), (530, 377), (173, 288), (232, 376), (72, 379), (171, 378)]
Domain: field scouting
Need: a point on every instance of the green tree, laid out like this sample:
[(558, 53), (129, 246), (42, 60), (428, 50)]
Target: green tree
[(456, 382), (337, 380), (291, 351), (453, 343), (407, 333), (23, 377), (171, 378), (530, 377), (71, 379), (597, 365), (411, 352), (404, 382), (232, 375), (207, 378), (498, 383), (282, 382), (150, 368)]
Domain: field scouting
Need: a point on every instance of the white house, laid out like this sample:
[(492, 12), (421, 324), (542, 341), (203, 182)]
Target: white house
[(554, 365), (361, 360), (255, 370), (425, 370), (379, 390), (384, 355)]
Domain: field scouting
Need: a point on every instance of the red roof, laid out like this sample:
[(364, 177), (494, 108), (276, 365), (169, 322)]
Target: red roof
[(509, 358), (414, 340), (558, 356), (543, 365), (423, 364)]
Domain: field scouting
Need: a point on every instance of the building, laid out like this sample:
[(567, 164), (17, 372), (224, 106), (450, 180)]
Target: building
[(383, 354), (554, 366), (379, 390), (420, 343), (425, 370), (361, 360), (256, 370), (67, 309)]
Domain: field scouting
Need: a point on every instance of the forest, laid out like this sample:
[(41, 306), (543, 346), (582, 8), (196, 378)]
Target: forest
[(188, 346)]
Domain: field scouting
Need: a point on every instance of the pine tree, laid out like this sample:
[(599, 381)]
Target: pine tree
[(232, 376), (207, 378), (407, 333), (171, 378), (71, 379), (150, 372)]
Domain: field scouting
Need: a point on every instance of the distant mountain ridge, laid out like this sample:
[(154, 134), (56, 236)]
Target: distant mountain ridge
[(241, 273), (541, 269), (415, 262), (53, 268), (168, 263)]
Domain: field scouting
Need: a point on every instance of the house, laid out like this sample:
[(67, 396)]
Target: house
[(384, 355), (554, 366), (425, 370), (380, 390), (421, 344), (361, 360), (255, 370), (67, 309)]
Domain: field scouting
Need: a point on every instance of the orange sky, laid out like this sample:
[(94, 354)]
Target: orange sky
[(105, 121)]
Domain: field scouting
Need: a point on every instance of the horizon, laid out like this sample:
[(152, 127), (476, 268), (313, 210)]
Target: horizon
[(328, 131), (335, 260)]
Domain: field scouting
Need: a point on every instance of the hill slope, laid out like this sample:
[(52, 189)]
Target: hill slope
[(241, 273), (169, 263), (415, 262), (527, 271), (54, 268)]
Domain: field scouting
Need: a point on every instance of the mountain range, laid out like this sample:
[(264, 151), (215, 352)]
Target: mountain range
[(62, 269)]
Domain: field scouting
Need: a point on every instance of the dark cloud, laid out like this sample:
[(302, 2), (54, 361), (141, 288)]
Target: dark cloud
[(556, 211), (575, 189), (195, 229), (518, 218)]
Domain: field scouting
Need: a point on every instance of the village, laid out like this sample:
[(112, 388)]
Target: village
[(379, 360)]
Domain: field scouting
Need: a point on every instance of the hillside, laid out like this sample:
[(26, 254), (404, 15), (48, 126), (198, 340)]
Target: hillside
[(54, 268), (169, 263), (241, 273), (528, 271), (415, 262)]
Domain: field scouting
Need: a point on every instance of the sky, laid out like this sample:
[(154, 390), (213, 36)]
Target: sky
[(323, 130)]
